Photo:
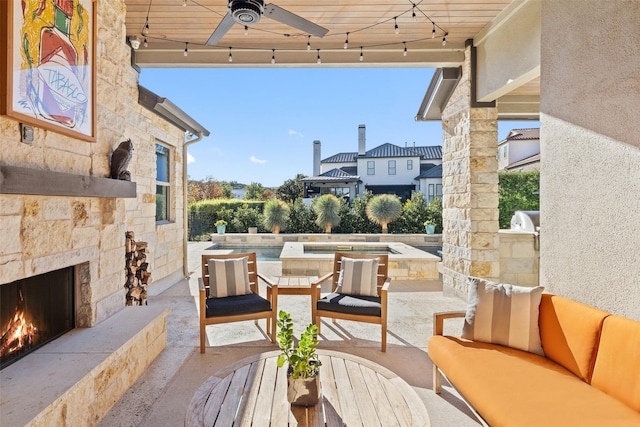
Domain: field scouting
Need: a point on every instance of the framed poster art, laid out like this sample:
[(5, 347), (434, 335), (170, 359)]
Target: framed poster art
[(49, 69)]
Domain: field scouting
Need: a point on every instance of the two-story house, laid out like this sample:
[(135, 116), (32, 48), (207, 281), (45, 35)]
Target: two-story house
[(385, 169), (520, 151)]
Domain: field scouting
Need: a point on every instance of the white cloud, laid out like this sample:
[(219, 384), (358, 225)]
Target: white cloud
[(293, 132), (190, 158), (254, 159)]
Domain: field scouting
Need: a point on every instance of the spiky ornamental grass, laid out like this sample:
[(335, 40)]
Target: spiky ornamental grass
[(383, 209), (276, 215), (327, 209)]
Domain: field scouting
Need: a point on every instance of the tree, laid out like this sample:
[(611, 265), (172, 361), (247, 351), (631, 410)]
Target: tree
[(383, 209), (291, 189), (254, 191), (327, 207), (276, 215), (414, 214), (207, 189), (518, 191)]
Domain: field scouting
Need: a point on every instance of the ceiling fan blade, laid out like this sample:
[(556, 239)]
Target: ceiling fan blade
[(222, 28), (291, 19)]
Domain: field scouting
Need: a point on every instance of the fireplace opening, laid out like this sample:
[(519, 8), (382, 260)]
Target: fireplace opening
[(35, 311)]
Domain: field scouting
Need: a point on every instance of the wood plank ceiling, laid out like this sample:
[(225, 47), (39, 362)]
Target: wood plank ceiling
[(370, 24)]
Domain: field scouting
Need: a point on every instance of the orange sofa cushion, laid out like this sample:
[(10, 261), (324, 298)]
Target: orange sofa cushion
[(570, 332), (510, 387), (617, 368)]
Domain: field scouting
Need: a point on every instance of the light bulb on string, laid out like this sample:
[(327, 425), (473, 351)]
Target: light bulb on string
[(273, 56), (433, 30), (413, 12), (346, 42), (404, 53), (184, 3), (186, 49), (230, 55), (145, 29), (395, 26), (444, 39), (361, 55), (308, 42), (144, 43), (319, 61), (246, 30)]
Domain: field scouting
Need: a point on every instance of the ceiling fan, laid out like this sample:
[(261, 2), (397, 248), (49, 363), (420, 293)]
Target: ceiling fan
[(249, 12)]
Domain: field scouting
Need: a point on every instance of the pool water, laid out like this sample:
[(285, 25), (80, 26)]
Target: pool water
[(433, 250), (348, 248), (263, 253)]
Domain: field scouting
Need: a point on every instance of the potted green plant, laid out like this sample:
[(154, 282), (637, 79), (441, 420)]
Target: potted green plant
[(221, 226), (303, 365), (430, 226)]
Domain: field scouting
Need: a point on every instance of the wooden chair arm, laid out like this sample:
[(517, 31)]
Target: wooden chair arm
[(385, 285), (319, 281), (438, 319), (270, 283)]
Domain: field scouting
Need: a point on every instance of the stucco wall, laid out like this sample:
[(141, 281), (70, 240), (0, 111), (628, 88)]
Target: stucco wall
[(590, 170), (44, 233)]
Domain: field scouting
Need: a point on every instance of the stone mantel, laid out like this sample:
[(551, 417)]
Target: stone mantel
[(21, 180)]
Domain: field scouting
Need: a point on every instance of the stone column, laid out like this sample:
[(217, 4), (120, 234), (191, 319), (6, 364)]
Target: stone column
[(470, 188)]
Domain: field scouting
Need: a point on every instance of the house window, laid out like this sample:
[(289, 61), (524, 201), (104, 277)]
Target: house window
[(409, 165), (392, 167), (340, 191), (162, 183), (432, 192), (504, 152), (439, 190), (435, 190), (371, 167)]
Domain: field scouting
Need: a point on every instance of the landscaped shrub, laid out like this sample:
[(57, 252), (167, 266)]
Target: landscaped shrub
[(203, 214), (361, 222), (246, 217), (302, 218), (414, 214), (276, 215), (383, 209), (327, 209), (434, 213), (518, 191)]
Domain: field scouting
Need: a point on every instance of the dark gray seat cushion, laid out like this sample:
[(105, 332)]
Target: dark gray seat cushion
[(239, 304), (351, 304)]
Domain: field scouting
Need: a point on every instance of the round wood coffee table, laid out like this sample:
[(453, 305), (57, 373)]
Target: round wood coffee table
[(355, 392)]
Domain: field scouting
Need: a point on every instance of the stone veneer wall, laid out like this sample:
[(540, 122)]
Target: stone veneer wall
[(470, 189), (519, 258), (42, 233)]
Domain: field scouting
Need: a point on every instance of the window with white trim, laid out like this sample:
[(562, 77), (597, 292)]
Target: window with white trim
[(409, 164), (371, 167), (392, 167), (163, 185)]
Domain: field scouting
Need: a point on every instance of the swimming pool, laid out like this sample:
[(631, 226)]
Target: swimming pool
[(433, 249), (263, 253)]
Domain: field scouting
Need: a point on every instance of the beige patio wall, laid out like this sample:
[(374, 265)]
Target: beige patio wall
[(590, 146), (44, 233)]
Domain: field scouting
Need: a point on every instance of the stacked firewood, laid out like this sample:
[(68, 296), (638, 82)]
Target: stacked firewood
[(138, 278)]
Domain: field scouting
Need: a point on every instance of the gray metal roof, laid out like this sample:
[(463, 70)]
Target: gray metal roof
[(390, 150), (337, 175), (351, 170), (428, 152), (341, 158), (434, 172)]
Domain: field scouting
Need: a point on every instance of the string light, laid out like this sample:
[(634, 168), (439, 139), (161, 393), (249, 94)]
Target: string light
[(414, 9)]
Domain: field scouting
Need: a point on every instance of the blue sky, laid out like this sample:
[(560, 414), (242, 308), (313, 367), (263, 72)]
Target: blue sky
[(263, 121)]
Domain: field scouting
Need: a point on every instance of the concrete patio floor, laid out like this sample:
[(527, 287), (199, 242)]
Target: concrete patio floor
[(161, 396)]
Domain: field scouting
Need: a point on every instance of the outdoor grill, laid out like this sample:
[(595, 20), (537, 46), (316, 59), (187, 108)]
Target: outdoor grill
[(526, 221)]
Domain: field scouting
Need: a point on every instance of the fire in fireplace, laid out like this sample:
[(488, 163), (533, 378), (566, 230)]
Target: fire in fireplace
[(35, 311)]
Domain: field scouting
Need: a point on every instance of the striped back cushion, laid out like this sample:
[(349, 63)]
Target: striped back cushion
[(358, 277), (504, 314), (228, 277)]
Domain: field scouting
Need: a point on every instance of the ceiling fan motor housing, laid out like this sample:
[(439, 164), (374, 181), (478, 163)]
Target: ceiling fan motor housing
[(246, 12)]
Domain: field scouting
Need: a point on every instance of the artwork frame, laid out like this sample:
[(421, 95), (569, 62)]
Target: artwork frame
[(48, 64)]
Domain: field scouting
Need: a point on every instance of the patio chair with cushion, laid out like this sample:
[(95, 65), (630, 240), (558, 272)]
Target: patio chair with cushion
[(358, 291), (229, 292)]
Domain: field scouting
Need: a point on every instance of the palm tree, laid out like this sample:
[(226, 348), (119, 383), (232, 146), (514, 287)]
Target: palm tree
[(276, 215), (383, 209), (327, 208)]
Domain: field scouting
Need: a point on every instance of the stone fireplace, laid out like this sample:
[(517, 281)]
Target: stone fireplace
[(35, 311)]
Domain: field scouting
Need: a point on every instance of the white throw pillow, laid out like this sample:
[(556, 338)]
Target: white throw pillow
[(504, 314), (358, 277), (228, 277)]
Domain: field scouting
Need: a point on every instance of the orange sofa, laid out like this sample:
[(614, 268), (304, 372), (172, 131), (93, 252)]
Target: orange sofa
[(589, 376)]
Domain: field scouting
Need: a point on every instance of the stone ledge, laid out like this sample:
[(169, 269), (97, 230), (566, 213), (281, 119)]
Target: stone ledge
[(77, 378)]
